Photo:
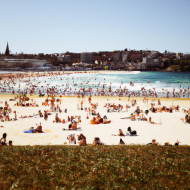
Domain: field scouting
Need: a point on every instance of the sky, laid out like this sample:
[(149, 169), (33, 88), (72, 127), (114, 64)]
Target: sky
[(57, 26)]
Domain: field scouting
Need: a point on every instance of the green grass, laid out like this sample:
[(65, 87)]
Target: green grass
[(95, 167)]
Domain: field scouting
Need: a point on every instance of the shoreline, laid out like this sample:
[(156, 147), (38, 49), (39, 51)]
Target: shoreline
[(162, 126), (40, 70), (5, 95)]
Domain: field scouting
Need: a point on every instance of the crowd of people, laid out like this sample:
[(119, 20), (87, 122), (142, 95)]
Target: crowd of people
[(54, 104), (9, 81)]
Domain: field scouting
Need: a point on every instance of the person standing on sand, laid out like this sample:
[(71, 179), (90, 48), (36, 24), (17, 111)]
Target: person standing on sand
[(129, 97), (126, 108)]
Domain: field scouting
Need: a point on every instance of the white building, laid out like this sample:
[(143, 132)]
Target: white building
[(149, 61), (124, 56)]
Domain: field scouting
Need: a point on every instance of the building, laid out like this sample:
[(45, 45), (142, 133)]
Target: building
[(64, 58), (125, 56), (155, 54), (86, 57), (179, 56), (149, 61), (25, 63), (7, 51), (117, 56)]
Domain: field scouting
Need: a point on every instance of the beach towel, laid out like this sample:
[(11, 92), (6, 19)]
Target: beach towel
[(78, 129), (29, 131), (43, 131), (125, 118)]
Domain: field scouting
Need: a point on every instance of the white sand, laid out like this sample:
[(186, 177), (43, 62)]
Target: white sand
[(171, 130)]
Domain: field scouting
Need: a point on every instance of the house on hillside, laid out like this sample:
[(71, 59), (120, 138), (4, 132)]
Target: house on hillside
[(149, 61), (86, 57)]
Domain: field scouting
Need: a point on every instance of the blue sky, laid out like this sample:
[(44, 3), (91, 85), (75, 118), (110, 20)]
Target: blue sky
[(57, 26)]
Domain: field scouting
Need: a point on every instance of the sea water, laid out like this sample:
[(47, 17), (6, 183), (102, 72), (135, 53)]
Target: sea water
[(159, 81)]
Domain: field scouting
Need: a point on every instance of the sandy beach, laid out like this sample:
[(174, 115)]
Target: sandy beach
[(169, 127)]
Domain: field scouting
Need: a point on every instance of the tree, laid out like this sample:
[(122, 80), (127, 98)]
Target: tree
[(182, 64), (171, 61), (54, 61)]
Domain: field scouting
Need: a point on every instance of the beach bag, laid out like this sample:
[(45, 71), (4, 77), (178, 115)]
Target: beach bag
[(133, 133)]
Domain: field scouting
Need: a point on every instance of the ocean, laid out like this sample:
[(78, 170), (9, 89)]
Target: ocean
[(159, 81)]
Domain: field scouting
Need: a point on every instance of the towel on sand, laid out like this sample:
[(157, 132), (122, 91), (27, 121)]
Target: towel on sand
[(44, 131)]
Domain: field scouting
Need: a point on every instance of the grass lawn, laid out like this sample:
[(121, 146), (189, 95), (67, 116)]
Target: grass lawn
[(95, 167)]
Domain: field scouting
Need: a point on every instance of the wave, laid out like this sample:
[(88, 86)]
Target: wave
[(120, 73)]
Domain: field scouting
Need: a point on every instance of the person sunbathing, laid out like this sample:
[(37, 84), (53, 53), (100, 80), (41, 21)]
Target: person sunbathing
[(150, 121), (121, 141), (177, 108), (40, 113), (82, 140), (121, 133), (3, 139), (38, 129), (98, 119), (45, 115), (97, 141), (138, 110), (79, 120), (74, 126), (72, 139), (132, 117), (153, 142), (10, 143), (57, 118), (105, 121), (92, 121)]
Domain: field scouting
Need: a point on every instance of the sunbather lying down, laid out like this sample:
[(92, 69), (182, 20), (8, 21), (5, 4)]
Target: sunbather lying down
[(37, 130), (132, 116), (98, 120), (150, 121)]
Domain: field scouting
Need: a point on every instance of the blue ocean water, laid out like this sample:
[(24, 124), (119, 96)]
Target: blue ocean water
[(160, 81)]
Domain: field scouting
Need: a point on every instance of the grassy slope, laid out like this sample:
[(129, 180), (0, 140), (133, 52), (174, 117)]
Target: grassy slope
[(96, 167)]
